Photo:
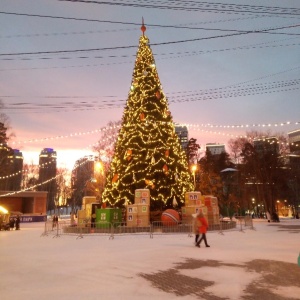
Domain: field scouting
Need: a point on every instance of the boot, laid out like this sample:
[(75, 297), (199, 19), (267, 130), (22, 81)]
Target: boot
[(205, 240)]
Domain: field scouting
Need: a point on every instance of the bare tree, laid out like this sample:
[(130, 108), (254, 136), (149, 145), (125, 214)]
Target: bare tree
[(192, 151), (4, 119), (260, 166), (64, 191), (106, 143), (30, 175), (237, 145)]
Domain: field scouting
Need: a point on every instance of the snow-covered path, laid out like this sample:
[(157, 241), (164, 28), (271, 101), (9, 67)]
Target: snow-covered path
[(255, 264)]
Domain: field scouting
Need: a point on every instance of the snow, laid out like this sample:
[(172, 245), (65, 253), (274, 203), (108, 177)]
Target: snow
[(33, 266)]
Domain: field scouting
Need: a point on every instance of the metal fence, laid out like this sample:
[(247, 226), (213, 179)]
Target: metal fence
[(159, 227), (103, 228)]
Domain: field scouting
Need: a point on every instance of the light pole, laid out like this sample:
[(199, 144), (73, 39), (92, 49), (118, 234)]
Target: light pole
[(99, 169), (285, 208), (253, 205), (194, 168), (99, 166)]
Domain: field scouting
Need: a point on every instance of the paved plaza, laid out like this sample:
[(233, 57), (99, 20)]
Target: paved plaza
[(254, 264)]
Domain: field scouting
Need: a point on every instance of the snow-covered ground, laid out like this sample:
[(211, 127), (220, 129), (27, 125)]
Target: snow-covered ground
[(255, 264)]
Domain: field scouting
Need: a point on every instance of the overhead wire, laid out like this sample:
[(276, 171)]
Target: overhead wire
[(117, 22), (202, 6), (153, 44), (232, 91), (119, 29), (121, 22), (182, 54)]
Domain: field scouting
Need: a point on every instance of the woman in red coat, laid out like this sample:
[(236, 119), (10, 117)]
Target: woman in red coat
[(202, 229)]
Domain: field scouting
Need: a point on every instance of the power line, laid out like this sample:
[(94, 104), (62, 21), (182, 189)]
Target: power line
[(203, 95), (153, 44), (123, 29), (231, 88), (182, 54), (129, 23), (117, 22), (203, 6)]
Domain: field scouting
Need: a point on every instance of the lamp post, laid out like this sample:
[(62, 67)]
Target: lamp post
[(277, 206), (194, 168), (253, 205), (99, 169)]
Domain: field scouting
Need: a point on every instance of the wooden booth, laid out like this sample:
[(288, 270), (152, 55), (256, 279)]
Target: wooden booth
[(31, 205)]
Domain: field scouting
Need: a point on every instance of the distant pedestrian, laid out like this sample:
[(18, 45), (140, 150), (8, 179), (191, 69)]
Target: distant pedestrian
[(53, 222), (93, 220), (275, 217), (18, 223), (268, 216), (12, 222), (73, 223), (202, 229), (196, 225)]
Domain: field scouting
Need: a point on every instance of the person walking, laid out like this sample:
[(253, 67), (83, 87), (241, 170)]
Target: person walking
[(202, 229), (196, 225), (12, 222), (18, 223), (268, 216)]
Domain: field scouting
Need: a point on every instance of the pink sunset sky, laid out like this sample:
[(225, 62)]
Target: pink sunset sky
[(208, 76)]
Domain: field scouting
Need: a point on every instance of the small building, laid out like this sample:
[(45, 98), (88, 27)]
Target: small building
[(30, 204)]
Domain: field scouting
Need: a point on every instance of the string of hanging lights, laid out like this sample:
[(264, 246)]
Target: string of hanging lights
[(25, 171), (189, 125)]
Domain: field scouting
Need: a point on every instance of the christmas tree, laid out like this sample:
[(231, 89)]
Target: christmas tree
[(148, 154)]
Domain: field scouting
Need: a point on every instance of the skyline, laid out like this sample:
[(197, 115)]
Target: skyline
[(256, 74)]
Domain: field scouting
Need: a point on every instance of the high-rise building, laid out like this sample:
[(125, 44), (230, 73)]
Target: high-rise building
[(264, 145), (215, 149), (83, 170), (294, 156), (294, 164), (15, 169), (5, 152), (183, 135), (47, 175), (294, 141), (82, 175)]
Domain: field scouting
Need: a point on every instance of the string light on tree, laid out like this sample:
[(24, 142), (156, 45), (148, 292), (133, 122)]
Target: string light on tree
[(156, 158)]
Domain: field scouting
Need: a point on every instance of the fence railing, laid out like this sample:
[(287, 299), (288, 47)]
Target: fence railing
[(159, 227), (110, 229)]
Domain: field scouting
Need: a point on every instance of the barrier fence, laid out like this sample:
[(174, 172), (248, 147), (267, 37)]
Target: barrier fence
[(103, 228)]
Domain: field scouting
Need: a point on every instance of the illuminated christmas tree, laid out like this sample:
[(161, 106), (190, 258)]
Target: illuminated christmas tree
[(148, 154)]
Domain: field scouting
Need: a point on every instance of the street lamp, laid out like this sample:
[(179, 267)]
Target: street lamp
[(277, 206), (194, 168), (99, 167), (99, 170)]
